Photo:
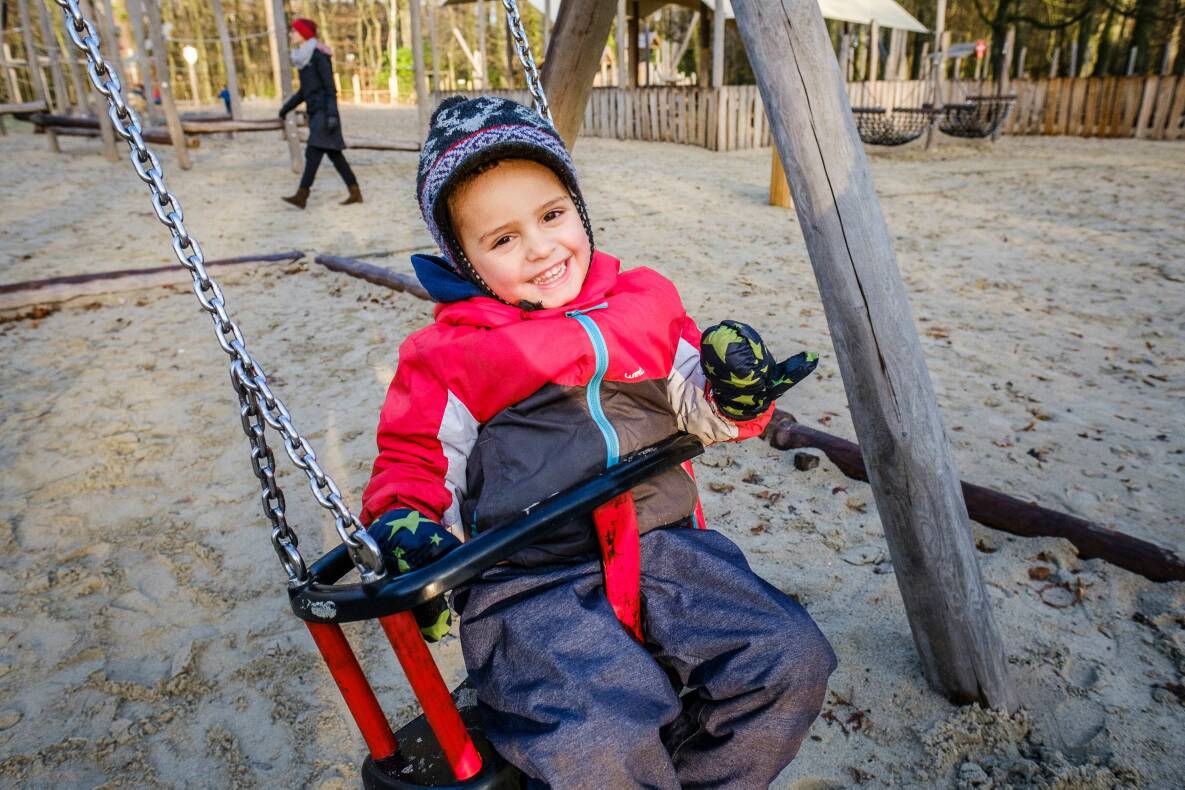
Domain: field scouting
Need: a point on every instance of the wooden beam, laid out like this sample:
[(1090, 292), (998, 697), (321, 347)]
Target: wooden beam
[(894, 410), (61, 96), (154, 136), (874, 53), (999, 511), (23, 108), (573, 56)]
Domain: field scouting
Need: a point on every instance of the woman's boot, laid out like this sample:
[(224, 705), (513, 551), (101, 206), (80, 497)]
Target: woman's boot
[(355, 195), (299, 199)]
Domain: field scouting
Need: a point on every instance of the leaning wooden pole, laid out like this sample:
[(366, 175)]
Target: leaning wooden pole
[(160, 62), (36, 75), (283, 63), (573, 57), (910, 464)]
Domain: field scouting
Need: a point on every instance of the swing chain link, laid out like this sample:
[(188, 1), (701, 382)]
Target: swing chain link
[(259, 407), (514, 24)]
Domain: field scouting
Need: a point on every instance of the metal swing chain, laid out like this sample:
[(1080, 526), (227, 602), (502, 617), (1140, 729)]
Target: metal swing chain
[(514, 23), (258, 405)]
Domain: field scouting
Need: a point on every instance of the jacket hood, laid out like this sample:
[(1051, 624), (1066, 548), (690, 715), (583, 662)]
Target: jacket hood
[(461, 303)]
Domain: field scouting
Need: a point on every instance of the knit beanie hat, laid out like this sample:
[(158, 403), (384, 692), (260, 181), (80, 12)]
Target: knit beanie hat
[(467, 133), (306, 27)]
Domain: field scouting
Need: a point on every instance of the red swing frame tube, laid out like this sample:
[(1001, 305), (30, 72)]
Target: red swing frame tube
[(433, 695), (355, 688), (616, 523)]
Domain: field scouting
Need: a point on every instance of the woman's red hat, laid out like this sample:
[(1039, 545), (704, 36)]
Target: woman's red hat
[(306, 27)]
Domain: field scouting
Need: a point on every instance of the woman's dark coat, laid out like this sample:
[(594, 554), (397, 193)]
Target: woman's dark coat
[(319, 94)]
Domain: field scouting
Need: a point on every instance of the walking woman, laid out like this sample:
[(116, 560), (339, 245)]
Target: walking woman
[(319, 94)]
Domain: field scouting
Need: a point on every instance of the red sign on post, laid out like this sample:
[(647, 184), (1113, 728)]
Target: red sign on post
[(980, 48)]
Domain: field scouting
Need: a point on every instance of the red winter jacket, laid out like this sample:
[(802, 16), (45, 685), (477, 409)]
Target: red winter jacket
[(493, 408)]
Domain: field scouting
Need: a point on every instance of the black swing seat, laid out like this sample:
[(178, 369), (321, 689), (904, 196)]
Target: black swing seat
[(976, 117), (420, 763), (878, 126)]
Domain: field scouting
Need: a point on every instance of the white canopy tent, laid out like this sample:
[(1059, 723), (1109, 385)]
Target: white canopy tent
[(886, 13)]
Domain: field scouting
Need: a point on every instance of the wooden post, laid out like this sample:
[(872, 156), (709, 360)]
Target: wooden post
[(136, 17), (482, 71), (1073, 61), (36, 75), (779, 188), (277, 38), (61, 103), (228, 59), (1131, 61), (116, 54), (14, 88), (718, 44), (393, 50), (1170, 50), (1053, 64), (623, 77), (1020, 64), (279, 25), (910, 464), (874, 53), (1002, 78), (432, 34), (937, 68), (423, 101), (161, 62), (635, 61), (546, 24), (573, 57)]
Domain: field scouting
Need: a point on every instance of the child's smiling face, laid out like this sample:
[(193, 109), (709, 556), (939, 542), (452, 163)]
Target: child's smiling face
[(521, 231)]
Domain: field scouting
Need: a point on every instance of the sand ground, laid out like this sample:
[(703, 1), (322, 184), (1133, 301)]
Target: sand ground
[(144, 633)]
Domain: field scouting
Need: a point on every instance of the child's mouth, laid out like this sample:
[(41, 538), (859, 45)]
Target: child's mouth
[(552, 276)]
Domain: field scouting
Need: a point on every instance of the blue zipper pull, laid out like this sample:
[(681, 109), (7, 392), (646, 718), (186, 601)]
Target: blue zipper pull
[(574, 313)]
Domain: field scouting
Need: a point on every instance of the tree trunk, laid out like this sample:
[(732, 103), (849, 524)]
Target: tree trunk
[(279, 24), (892, 400)]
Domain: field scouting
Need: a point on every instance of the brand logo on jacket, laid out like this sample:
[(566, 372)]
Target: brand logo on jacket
[(635, 374)]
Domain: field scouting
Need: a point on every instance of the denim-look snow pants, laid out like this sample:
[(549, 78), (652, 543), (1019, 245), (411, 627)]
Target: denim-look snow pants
[(571, 699)]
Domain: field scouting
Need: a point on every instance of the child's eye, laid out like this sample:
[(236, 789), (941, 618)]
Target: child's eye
[(549, 216), (501, 240)]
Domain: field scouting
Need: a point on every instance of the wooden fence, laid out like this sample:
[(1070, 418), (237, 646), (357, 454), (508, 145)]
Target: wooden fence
[(733, 118)]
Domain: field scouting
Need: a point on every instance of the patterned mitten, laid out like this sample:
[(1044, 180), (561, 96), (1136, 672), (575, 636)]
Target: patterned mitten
[(408, 542), (744, 376)]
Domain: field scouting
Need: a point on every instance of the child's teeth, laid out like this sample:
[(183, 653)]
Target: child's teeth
[(550, 275)]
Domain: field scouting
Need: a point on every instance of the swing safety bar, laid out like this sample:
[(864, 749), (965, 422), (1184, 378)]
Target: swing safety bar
[(319, 600), (322, 604)]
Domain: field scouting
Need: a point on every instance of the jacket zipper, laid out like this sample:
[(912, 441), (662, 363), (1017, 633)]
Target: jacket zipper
[(593, 393)]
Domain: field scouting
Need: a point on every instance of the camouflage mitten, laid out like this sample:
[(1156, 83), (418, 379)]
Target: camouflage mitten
[(410, 541), (744, 376)]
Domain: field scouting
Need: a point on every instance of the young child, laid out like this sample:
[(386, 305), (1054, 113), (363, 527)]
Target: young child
[(545, 365)]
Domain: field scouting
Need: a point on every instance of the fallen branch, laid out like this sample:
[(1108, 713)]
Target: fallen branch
[(62, 289), (1000, 511), (378, 275)]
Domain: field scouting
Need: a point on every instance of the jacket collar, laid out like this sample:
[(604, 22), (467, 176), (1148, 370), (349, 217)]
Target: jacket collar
[(462, 304)]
